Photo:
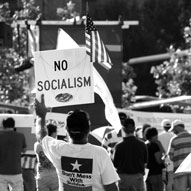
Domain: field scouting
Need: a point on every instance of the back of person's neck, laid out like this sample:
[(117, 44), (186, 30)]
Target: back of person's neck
[(80, 142), (130, 134)]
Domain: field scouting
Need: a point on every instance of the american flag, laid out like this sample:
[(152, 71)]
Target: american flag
[(94, 45)]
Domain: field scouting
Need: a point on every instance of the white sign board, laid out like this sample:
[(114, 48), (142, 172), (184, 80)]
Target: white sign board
[(21, 120), (65, 77), (58, 119)]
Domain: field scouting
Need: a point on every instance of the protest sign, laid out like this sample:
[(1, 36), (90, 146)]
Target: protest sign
[(185, 166), (65, 77), (58, 119)]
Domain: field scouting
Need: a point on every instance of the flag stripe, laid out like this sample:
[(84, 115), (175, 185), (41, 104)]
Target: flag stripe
[(95, 47)]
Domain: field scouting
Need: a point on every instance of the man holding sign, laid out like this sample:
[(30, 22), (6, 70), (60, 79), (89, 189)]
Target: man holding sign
[(80, 165)]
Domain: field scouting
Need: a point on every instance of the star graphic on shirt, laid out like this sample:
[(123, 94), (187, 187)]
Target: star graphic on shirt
[(76, 166)]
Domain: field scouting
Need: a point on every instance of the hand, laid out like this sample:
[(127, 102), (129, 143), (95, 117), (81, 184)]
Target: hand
[(40, 107)]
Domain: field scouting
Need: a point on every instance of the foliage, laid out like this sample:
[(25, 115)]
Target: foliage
[(128, 87), (173, 77), (29, 11), (5, 13), (68, 12), (14, 87), (160, 24)]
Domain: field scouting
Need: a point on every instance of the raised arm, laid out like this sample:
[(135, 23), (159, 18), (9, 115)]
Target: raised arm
[(41, 112)]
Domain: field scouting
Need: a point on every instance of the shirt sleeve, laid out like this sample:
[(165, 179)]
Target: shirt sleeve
[(51, 147), (37, 147), (108, 174)]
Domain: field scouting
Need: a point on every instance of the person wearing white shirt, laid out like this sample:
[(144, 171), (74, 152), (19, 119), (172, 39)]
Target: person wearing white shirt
[(165, 137), (79, 164)]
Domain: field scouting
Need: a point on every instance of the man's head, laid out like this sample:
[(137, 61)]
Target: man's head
[(166, 124), (78, 124), (52, 130), (177, 126), (129, 126), (122, 117), (151, 133), (9, 123)]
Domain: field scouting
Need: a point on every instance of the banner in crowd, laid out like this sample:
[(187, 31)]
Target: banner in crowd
[(58, 119), (155, 118), (65, 77), (185, 166)]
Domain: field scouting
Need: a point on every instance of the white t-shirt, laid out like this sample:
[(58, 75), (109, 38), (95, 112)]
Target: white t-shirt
[(80, 167), (165, 138)]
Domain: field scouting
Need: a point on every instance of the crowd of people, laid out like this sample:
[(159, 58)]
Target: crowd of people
[(124, 161)]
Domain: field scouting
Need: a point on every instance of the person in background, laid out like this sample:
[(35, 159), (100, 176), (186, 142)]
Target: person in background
[(144, 128), (179, 149), (113, 137), (12, 145), (154, 181), (165, 137), (130, 158), (46, 176), (79, 164), (28, 164)]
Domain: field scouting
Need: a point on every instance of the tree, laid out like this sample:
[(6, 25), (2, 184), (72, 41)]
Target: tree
[(173, 77), (14, 87), (128, 87)]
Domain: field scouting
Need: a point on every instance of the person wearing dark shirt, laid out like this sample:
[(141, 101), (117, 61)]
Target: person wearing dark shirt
[(155, 164), (12, 144), (130, 158)]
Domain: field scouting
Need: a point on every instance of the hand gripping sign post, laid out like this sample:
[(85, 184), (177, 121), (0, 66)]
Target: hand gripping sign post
[(65, 77)]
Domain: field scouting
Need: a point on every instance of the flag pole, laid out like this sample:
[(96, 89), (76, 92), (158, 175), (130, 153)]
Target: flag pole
[(87, 7)]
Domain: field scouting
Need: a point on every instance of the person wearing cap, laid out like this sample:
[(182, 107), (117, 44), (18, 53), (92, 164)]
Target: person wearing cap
[(154, 181), (113, 137), (179, 148), (79, 164), (130, 158), (165, 137)]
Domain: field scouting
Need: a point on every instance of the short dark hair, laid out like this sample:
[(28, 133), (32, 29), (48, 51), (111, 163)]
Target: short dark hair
[(78, 124), (145, 126), (129, 125), (51, 128), (122, 117), (151, 132), (9, 122)]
